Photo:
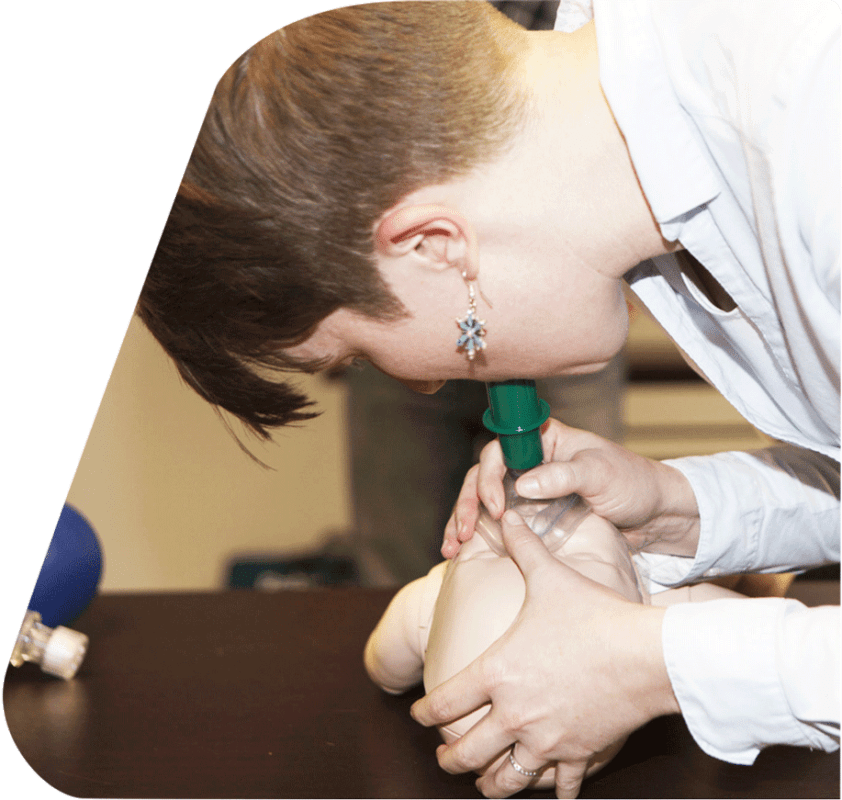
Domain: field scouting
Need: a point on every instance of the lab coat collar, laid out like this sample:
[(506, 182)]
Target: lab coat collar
[(674, 171)]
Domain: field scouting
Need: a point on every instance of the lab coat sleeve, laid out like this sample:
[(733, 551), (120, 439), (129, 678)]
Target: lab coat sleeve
[(772, 510), (752, 673)]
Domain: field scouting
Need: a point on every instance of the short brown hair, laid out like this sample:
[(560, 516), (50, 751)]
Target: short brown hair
[(311, 136)]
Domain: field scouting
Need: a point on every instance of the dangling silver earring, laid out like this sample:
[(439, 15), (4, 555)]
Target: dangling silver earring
[(473, 329)]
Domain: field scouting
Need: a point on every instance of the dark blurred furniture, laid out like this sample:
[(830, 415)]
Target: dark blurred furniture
[(263, 694)]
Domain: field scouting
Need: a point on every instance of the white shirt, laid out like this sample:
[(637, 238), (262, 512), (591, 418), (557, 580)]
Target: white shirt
[(731, 114)]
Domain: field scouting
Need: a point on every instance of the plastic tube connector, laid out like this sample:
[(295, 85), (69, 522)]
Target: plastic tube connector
[(516, 414), (59, 651)]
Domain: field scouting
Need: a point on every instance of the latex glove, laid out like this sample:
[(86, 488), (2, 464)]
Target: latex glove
[(651, 503), (579, 669)]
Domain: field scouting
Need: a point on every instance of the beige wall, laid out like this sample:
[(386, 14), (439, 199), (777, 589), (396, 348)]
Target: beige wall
[(171, 495)]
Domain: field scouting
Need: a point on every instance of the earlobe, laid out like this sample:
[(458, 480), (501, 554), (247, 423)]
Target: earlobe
[(438, 233)]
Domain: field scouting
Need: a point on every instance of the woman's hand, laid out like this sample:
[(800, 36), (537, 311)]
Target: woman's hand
[(651, 503), (578, 670)]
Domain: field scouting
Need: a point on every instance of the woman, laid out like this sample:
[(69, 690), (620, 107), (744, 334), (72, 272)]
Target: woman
[(375, 183)]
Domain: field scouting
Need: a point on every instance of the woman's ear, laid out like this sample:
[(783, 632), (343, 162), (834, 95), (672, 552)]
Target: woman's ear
[(437, 234)]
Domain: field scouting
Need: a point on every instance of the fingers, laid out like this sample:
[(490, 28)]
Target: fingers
[(588, 473), (526, 549), (555, 479), (476, 749), (463, 520), (451, 543), (507, 779), (492, 470), (568, 778), (456, 697), (561, 442)]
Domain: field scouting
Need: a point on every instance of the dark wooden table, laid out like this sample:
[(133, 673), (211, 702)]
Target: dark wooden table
[(251, 694)]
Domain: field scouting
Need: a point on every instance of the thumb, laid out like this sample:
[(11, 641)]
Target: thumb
[(526, 549), (554, 479)]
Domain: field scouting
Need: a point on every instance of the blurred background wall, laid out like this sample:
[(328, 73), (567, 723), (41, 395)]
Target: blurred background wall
[(173, 497)]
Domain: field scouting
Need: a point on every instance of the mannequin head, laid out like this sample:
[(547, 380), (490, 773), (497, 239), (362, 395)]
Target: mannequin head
[(443, 621)]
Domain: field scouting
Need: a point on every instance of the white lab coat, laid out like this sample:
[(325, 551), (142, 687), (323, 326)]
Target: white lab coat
[(731, 114)]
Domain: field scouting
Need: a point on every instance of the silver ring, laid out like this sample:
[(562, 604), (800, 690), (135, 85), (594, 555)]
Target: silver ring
[(518, 768)]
